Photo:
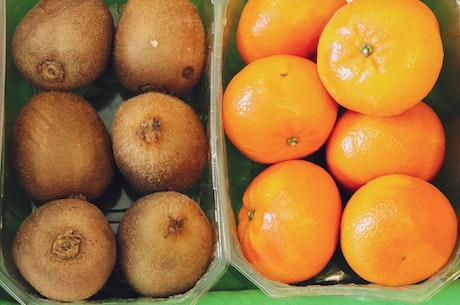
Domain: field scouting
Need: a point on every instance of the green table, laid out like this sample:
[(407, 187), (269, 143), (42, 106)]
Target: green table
[(244, 292), (447, 296)]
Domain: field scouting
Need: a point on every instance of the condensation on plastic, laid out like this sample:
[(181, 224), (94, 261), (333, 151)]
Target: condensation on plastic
[(106, 95), (233, 172)]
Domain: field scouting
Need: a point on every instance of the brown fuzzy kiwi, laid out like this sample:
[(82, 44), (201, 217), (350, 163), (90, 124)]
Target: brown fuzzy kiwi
[(165, 244), (159, 143), (159, 46), (61, 148), (62, 45), (65, 249)]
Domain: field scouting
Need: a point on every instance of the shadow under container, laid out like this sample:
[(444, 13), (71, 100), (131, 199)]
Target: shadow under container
[(234, 172), (105, 94)]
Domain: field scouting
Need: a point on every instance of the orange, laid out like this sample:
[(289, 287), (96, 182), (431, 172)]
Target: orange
[(398, 230), (276, 109), (362, 147), (380, 57), (271, 27), (289, 223)]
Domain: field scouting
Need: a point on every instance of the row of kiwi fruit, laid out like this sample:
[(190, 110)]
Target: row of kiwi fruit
[(65, 158), (66, 44)]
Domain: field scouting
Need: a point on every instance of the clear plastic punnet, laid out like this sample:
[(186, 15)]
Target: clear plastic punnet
[(234, 172), (106, 94)]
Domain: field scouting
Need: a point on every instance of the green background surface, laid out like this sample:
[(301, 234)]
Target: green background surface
[(234, 289), (449, 295)]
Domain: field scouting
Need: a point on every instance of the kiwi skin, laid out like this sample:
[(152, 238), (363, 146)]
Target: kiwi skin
[(63, 45), (159, 46), (65, 249), (165, 244), (159, 143), (61, 148)]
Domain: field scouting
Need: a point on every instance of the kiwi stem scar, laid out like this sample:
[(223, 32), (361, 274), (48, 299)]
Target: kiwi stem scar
[(67, 245), (188, 73), (150, 130), (176, 226), (51, 70)]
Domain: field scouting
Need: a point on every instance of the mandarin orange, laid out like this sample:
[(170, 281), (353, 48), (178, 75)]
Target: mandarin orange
[(276, 109), (398, 230), (380, 57), (270, 27), (362, 147), (289, 222)]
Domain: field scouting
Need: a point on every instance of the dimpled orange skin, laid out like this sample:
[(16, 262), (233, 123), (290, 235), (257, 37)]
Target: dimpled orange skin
[(362, 147), (404, 51), (277, 109), (398, 230), (288, 224), (270, 27)]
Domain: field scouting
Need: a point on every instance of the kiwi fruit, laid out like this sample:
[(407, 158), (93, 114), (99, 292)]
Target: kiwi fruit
[(165, 244), (159, 46), (159, 143), (61, 148), (63, 45), (65, 249)]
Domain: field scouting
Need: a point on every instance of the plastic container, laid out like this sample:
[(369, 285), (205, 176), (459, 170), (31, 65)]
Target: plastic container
[(234, 172), (105, 94)]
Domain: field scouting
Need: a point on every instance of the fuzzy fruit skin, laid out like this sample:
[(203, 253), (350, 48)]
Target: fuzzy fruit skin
[(166, 244), (159, 143), (61, 148), (159, 46), (63, 277), (63, 45)]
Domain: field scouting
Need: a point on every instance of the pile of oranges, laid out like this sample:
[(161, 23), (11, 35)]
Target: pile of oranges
[(346, 79)]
